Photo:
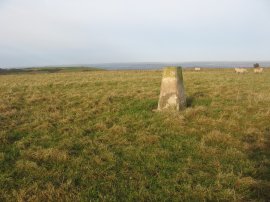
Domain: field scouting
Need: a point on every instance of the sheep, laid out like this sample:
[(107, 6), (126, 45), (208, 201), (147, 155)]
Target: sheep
[(197, 69), (258, 70), (240, 70)]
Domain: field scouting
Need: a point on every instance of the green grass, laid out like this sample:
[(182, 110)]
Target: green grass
[(81, 136)]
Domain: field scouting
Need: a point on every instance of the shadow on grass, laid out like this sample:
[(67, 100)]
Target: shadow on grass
[(198, 99), (190, 100)]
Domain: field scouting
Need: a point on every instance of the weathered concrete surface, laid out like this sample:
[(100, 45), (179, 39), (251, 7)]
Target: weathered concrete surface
[(172, 92)]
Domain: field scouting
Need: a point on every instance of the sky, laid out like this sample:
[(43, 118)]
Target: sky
[(62, 32)]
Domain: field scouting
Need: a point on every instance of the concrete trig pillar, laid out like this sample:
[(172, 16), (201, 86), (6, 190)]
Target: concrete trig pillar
[(172, 92)]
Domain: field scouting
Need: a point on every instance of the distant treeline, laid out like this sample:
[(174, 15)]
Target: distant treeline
[(48, 70)]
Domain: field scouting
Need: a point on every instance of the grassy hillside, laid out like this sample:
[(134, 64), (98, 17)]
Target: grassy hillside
[(94, 135)]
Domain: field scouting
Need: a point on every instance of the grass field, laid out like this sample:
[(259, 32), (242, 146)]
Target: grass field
[(93, 136)]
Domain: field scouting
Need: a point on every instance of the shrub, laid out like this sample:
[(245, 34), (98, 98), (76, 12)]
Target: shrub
[(256, 65)]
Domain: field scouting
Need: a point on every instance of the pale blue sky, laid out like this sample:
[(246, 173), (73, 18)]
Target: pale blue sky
[(55, 32)]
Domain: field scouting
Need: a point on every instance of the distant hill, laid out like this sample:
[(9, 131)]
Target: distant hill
[(134, 65), (152, 65), (48, 70)]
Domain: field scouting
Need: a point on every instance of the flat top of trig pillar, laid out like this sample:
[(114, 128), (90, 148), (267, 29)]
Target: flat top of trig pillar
[(171, 71)]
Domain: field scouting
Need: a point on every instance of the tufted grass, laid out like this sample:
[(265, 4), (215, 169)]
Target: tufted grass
[(93, 136)]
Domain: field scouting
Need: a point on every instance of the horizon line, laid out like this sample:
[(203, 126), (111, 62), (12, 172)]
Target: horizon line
[(148, 62)]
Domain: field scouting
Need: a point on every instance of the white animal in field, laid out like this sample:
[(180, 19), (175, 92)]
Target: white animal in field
[(240, 70), (258, 70), (197, 69)]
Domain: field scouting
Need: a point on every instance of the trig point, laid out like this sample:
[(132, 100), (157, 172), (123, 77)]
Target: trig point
[(172, 92)]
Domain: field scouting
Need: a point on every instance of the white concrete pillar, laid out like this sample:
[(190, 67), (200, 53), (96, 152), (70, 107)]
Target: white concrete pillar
[(172, 92)]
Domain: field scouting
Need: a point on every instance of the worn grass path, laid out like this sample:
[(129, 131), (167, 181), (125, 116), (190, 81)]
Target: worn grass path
[(94, 136)]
